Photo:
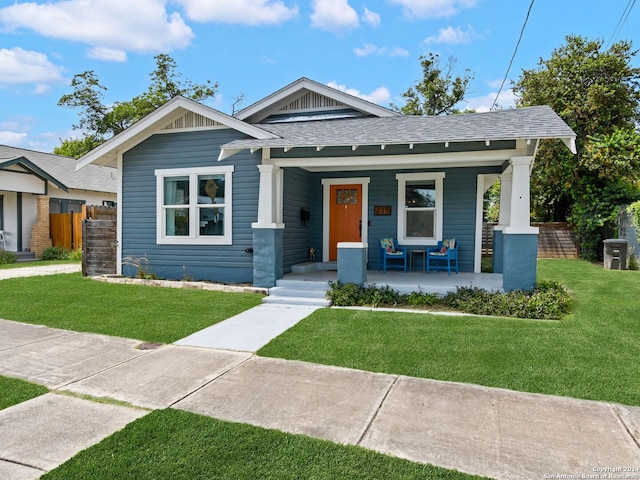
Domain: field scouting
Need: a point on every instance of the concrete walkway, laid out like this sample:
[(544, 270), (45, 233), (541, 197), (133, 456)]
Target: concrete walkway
[(32, 271), (486, 431)]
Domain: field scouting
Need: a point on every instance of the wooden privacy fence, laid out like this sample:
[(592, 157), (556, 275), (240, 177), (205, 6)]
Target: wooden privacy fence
[(99, 248), (66, 230), (556, 240)]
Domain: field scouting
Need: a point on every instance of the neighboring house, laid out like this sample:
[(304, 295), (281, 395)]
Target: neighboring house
[(243, 198), (34, 184)]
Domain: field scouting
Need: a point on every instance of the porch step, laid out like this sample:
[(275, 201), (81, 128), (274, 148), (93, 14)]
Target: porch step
[(298, 292), (25, 256), (307, 267)]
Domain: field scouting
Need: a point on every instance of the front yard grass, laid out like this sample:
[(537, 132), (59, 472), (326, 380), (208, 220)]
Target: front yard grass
[(594, 353), (14, 391), (180, 445), (152, 314)]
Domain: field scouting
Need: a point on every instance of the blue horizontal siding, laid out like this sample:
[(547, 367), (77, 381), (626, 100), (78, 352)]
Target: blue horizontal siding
[(297, 235), (223, 263)]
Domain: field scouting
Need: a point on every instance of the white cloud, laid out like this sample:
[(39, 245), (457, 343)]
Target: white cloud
[(506, 99), (14, 139), (380, 95), (113, 27), (335, 16), (371, 49), (19, 66), (108, 54), (416, 9), (451, 36), (372, 18), (247, 12)]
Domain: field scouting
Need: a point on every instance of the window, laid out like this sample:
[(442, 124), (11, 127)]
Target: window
[(194, 206), (419, 208)]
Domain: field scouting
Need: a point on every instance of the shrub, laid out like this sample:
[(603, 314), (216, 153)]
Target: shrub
[(55, 253), (76, 254), (421, 299), (7, 257), (549, 300)]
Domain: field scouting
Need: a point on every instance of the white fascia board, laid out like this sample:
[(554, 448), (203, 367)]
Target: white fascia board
[(153, 122), (454, 159), (301, 85)]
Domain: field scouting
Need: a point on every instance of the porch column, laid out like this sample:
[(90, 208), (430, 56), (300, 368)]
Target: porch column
[(270, 196), (268, 231), (503, 221), (520, 239), (352, 262)]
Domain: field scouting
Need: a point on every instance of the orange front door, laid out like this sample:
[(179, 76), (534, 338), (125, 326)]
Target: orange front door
[(345, 216)]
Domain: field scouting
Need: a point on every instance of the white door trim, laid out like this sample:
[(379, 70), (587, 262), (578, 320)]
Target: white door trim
[(326, 194)]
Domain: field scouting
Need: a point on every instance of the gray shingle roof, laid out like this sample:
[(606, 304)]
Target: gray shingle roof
[(522, 123), (93, 177)]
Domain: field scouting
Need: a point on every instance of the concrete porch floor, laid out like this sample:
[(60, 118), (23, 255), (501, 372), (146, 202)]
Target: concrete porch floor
[(411, 281)]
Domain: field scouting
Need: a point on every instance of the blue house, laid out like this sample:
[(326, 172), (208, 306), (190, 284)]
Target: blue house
[(243, 198)]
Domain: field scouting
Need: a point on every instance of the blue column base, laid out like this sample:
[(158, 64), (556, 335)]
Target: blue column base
[(352, 263), (267, 256), (498, 251), (519, 261)]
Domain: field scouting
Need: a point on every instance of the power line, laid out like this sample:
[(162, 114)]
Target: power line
[(621, 21), (506, 75)]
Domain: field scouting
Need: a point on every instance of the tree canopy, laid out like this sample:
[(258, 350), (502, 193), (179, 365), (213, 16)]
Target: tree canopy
[(98, 122), (596, 92), (439, 91)]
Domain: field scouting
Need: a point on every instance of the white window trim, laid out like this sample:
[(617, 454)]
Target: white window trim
[(194, 224), (402, 179)]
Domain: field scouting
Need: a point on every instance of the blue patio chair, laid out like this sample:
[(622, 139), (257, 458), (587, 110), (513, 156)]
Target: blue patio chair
[(443, 256), (389, 250)]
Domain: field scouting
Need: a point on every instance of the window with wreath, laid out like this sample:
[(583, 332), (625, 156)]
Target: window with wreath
[(419, 208), (194, 205)]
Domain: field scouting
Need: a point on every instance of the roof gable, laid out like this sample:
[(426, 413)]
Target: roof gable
[(59, 170), (177, 113), (304, 97)]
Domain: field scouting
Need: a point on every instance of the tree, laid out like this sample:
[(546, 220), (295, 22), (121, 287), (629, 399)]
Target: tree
[(438, 92), (596, 92), (98, 122)]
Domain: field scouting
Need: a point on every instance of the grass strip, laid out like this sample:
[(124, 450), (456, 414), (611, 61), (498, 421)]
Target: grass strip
[(592, 354), (14, 391), (180, 445), (151, 314)]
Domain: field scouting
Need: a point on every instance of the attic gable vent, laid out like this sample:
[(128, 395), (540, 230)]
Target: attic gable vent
[(312, 100), (192, 120)]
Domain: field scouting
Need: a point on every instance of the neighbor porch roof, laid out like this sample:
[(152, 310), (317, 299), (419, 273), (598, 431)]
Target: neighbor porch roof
[(531, 123)]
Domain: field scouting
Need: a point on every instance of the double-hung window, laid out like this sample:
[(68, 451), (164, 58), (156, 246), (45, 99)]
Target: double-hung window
[(194, 206), (419, 208)]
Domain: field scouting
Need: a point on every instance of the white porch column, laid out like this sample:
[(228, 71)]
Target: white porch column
[(506, 183), (270, 197), (520, 202)]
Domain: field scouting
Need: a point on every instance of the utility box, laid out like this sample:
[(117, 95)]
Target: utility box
[(615, 254)]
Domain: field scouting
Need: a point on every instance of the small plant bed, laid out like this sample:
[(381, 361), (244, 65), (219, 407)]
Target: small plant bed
[(16, 391), (549, 300)]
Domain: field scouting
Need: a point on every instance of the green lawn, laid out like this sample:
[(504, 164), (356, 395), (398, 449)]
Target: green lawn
[(152, 314), (14, 391), (179, 445), (592, 354), (37, 263)]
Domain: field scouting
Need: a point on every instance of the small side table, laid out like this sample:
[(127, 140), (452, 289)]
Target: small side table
[(413, 253)]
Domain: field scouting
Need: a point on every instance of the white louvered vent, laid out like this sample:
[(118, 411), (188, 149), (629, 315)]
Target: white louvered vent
[(312, 100), (192, 120)]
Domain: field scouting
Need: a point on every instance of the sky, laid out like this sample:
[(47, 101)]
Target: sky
[(369, 48)]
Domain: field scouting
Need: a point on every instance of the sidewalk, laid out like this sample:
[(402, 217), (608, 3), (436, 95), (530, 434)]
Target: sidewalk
[(486, 431), (7, 273)]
